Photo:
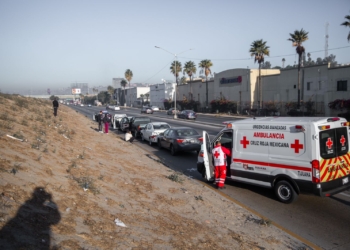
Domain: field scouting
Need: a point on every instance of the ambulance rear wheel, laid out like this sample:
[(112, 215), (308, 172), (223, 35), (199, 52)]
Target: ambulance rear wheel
[(285, 192)]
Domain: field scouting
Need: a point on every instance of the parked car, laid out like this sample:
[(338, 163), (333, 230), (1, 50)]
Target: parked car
[(187, 114), (113, 107), (116, 120), (124, 124), (135, 125), (152, 130), (180, 139), (89, 105), (155, 108), (81, 105), (171, 111), (146, 110)]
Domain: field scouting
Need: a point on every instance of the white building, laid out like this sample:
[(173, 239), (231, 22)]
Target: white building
[(133, 96), (160, 92)]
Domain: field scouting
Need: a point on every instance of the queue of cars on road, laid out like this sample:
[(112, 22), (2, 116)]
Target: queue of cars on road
[(175, 139)]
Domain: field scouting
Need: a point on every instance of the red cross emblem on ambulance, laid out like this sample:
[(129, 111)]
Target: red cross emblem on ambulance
[(342, 140), (244, 142), (296, 146), (329, 143)]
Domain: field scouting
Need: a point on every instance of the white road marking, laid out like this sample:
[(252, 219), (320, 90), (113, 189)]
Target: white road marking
[(345, 194)]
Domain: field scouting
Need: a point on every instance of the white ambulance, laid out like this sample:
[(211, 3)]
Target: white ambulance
[(289, 154)]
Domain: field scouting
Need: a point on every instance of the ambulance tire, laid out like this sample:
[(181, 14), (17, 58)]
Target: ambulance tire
[(285, 192)]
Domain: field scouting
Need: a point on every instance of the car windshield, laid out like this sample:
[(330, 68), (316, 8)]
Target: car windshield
[(161, 126), (186, 132)]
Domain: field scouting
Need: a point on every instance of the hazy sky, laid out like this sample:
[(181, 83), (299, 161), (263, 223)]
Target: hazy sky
[(50, 44)]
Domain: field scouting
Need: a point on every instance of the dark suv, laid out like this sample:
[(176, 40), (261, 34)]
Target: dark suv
[(135, 123)]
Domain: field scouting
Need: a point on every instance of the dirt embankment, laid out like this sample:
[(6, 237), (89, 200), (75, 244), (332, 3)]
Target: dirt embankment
[(65, 186)]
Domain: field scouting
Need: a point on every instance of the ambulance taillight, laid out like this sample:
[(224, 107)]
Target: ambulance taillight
[(299, 128), (324, 127), (345, 124), (315, 171)]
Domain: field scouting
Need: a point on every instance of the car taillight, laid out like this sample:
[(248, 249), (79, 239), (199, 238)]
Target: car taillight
[(201, 139), (201, 154), (180, 140), (315, 171)]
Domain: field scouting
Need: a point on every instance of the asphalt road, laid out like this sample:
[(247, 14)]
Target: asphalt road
[(322, 221)]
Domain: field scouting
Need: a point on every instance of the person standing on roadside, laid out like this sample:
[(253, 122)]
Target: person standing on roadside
[(55, 106), (219, 157), (99, 119), (106, 122)]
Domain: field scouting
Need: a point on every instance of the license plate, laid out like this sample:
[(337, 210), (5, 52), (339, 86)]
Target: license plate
[(345, 180)]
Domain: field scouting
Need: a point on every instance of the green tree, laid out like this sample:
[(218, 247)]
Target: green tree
[(297, 38), (95, 90), (190, 69), (205, 66), (147, 96), (259, 50), (183, 80), (128, 76), (175, 69), (347, 24), (52, 97), (123, 83)]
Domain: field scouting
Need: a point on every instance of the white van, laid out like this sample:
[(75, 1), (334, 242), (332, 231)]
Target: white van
[(289, 154)]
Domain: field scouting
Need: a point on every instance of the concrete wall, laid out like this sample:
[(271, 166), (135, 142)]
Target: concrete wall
[(161, 92)]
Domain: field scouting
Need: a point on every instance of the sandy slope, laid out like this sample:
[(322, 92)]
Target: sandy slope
[(65, 184)]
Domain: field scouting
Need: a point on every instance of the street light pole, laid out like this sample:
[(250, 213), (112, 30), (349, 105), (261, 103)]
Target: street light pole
[(175, 71)]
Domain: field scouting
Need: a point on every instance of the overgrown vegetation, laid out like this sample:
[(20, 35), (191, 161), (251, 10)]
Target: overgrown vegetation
[(175, 177)]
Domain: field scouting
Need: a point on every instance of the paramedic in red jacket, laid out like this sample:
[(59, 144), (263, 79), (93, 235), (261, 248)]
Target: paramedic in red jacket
[(219, 158)]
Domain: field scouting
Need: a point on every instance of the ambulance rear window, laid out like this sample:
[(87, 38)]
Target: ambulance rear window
[(333, 143)]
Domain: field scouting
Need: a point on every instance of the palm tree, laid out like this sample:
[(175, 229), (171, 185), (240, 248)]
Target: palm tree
[(175, 68), (190, 69), (123, 83), (183, 80), (147, 95), (297, 38), (142, 96), (283, 61), (128, 76), (110, 90), (258, 49), (205, 67), (347, 24)]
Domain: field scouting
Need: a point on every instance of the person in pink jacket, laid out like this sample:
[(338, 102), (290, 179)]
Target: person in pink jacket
[(219, 158)]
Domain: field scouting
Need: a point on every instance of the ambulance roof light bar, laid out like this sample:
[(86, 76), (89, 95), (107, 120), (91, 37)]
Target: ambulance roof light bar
[(333, 119)]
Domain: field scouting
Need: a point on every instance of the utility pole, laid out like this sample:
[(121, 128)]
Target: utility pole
[(326, 41)]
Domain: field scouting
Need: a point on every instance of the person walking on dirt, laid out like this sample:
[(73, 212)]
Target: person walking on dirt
[(55, 106), (219, 158), (99, 119)]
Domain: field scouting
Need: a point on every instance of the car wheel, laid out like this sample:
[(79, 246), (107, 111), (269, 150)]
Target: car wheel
[(172, 150), (150, 142), (285, 192), (159, 145)]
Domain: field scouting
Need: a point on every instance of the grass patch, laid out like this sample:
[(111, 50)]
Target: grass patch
[(87, 183), (16, 168), (198, 198), (175, 177), (24, 121), (18, 135), (72, 165), (259, 221), (82, 156), (35, 145)]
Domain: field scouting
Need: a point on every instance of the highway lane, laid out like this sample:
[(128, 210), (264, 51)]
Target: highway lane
[(323, 221)]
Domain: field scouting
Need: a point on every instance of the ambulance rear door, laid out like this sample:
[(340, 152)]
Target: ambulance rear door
[(207, 156)]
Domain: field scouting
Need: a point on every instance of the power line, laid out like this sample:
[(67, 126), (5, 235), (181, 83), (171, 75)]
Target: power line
[(157, 72), (243, 59)]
